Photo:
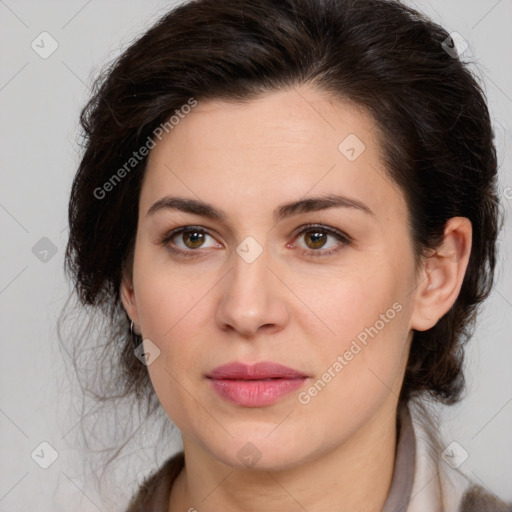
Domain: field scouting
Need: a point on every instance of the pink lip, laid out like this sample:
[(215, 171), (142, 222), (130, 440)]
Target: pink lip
[(255, 385)]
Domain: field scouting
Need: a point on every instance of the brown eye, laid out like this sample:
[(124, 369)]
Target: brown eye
[(317, 239), (193, 239), (321, 241), (188, 241)]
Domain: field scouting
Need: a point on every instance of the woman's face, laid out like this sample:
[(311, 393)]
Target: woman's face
[(333, 302)]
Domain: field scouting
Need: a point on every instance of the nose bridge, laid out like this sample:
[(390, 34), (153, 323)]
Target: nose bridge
[(250, 299), (250, 274), (250, 250)]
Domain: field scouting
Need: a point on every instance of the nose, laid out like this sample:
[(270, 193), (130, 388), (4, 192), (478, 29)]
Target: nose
[(253, 298)]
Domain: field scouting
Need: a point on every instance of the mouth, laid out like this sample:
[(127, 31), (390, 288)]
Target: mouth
[(255, 385)]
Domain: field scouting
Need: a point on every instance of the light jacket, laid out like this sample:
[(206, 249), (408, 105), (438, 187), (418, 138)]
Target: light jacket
[(426, 477)]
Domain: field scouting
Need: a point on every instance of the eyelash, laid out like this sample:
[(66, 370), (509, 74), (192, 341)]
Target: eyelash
[(343, 238)]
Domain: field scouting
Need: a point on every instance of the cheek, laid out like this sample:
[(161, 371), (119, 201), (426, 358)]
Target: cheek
[(173, 391), (366, 344), (176, 323), (167, 293), (360, 371), (173, 314), (177, 370), (354, 299)]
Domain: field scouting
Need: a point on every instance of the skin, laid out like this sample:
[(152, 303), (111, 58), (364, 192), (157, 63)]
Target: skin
[(289, 305)]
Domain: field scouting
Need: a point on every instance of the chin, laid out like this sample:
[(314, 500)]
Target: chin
[(262, 452)]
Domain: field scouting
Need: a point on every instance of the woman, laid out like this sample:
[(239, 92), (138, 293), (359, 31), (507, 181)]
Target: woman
[(293, 206)]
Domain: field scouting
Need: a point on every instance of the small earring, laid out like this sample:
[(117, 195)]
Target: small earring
[(134, 335)]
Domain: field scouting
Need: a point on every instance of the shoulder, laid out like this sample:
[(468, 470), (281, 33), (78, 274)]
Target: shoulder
[(477, 499), (439, 482), (153, 494)]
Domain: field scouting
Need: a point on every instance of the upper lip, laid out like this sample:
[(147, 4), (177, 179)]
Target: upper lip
[(257, 371)]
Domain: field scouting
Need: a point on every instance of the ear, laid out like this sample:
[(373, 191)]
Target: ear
[(442, 274), (128, 297)]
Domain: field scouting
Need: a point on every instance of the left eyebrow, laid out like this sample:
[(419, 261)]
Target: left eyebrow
[(311, 204), (314, 204)]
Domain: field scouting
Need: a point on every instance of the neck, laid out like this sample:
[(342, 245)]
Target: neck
[(354, 476)]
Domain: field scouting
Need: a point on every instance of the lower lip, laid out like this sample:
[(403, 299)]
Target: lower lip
[(255, 393)]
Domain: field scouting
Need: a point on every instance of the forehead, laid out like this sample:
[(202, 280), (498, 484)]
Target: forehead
[(279, 122), (272, 149)]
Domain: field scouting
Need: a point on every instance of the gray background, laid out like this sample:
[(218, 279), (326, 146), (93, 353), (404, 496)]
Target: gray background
[(40, 101)]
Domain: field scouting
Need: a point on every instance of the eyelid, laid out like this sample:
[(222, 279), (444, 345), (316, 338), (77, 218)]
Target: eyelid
[(321, 227), (342, 237), (169, 235)]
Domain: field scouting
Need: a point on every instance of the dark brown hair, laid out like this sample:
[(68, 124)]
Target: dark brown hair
[(436, 135)]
